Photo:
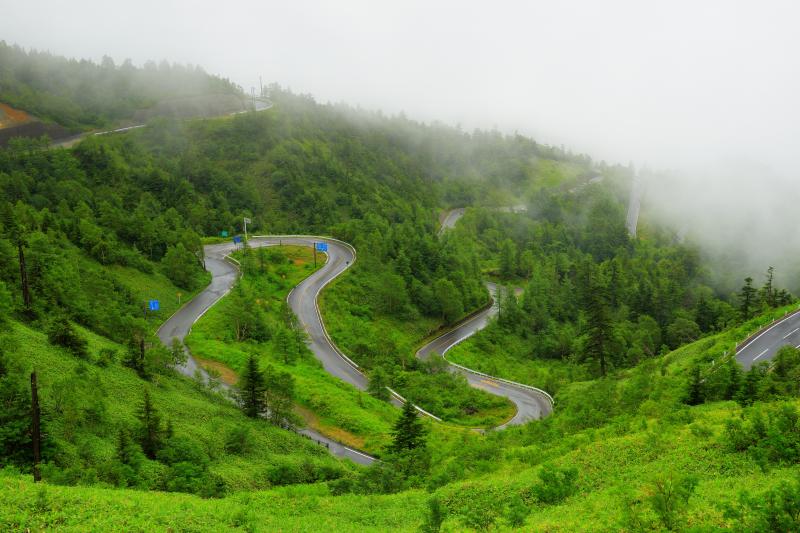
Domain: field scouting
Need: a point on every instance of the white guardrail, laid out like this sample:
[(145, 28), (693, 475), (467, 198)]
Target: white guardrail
[(495, 378)]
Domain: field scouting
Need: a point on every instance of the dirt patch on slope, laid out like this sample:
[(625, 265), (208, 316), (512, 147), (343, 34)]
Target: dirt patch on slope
[(10, 117)]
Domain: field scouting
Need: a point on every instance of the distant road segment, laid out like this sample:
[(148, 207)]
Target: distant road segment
[(764, 345)]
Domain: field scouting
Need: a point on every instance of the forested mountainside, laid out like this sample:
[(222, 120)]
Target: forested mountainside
[(655, 426), (81, 94)]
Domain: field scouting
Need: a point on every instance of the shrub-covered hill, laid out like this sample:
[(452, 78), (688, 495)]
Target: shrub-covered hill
[(81, 94), (98, 431), (647, 462)]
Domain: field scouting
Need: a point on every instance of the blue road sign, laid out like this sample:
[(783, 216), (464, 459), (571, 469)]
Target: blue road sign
[(322, 246), (153, 305), (223, 233), (237, 239)]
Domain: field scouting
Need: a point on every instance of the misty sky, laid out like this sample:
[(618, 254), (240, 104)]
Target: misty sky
[(664, 83), (706, 87)]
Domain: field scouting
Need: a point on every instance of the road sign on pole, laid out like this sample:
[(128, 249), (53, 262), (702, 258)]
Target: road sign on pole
[(237, 239), (153, 305), (223, 233), (246, 222), (322, 246)]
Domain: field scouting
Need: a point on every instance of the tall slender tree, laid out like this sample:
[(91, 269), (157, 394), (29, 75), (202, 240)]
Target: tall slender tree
[(150, 430), (768, 290), (598, 341), (251, 389), (696, 392), (747, 299)]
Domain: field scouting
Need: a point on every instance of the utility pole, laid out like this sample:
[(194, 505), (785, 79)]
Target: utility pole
[(36, 429), (246, 221), (253, 93), (261, 86)]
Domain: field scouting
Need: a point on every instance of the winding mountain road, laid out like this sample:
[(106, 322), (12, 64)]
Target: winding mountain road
[(531, 403), (303, 302)]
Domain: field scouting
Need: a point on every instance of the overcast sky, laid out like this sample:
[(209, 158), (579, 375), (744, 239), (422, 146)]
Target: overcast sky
[(707, 87), (654, 82)]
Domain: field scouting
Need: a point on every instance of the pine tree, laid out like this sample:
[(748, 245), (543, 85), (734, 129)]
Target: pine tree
[(251, 389), (734, 381), (150, 432), (508, 259), (286, 345), (126, 449), (696, 392), (747, 297), (768, 290), (15, 416), (409, 433), (599, 337)]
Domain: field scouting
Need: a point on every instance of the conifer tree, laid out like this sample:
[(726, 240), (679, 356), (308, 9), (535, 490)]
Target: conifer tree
[(150, 431), (696, 393), (599, 335), (768, 290), (734, 380), (251, 389), (747, 298), (409, 433)]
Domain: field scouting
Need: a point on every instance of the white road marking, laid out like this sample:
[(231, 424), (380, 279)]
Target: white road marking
[(762, 353), (358, 453), (791, 332), (743, 348)]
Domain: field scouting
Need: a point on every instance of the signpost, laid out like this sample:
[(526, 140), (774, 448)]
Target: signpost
[(246, 222), (237, 239), (150, 305), (319, 247)]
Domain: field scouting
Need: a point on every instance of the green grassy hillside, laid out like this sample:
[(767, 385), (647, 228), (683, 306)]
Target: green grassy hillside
[(613, 471), (87, 402)]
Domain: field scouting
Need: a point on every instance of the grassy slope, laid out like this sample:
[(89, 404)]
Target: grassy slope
[(155, 286), (205, 418), (306, 508), (617, 459), (328, 404)]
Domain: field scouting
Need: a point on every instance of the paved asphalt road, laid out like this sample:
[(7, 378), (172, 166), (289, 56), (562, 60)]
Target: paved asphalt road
[(531, 404), (260, 105), (450, 219), (302, 300), (764, 345)]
